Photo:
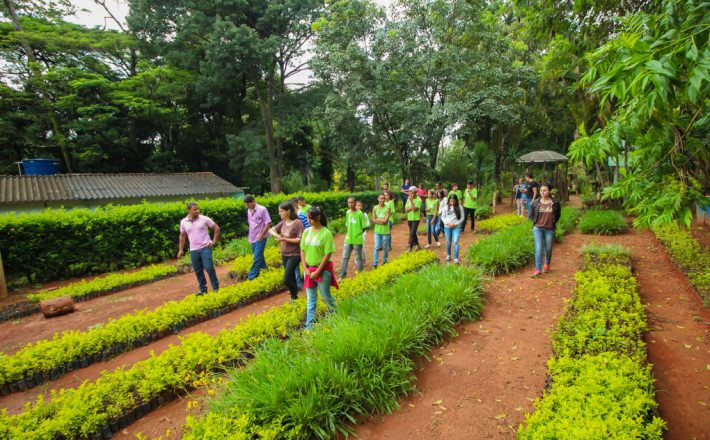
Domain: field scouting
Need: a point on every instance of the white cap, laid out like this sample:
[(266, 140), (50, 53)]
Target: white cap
[(412, 188)]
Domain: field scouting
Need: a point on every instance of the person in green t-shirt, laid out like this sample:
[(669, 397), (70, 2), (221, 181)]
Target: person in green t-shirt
[(412, 208), (470, 195), (455, 190), (360, 207), (303, 207), (317, 246), (381, 218), (355, 224), (390, 202), (432, 210)]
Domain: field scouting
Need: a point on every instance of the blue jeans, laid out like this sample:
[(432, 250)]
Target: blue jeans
[(347, 250), (452, 236), (257, 251), (543, 243), (312, 297), (382, 241), (431, 229), (297, 274), (202, 261)]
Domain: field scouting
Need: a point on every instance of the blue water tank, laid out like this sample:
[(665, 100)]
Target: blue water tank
[(40, 167)]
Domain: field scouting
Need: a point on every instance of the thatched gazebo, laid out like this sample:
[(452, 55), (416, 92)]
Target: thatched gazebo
[(544, 157)]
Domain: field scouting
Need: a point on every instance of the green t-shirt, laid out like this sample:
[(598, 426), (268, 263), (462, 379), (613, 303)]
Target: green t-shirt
[(413, 215), (304, 210), (356, 223), (470, 198), (380, 214), (431, 206), (390, 204), (315, 244), (458, 194)]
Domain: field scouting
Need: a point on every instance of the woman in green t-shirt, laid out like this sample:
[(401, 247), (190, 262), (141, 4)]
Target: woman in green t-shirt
[(317, 247), (432, 209), (412, 209)]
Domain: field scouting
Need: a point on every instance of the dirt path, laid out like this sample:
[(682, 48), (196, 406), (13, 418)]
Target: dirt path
[(480, 384)]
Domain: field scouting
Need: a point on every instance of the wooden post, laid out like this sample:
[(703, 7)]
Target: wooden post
[(3, 284), (495, 197)]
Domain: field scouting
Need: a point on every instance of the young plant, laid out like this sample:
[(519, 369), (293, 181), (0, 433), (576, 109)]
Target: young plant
[(602, 222)]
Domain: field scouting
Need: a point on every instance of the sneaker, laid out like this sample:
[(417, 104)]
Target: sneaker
[(536, 274), (417, 248), (200, 293), (456, 261), (374, 266), (546, 268), (448, 258), (438, 244), (427, 246)]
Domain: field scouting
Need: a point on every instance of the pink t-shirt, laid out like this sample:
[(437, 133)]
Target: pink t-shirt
[(197, 231)]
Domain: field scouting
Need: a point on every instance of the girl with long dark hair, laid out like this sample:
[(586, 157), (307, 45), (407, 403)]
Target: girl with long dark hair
[(453, 217), (317, 247), (288, 232), (545, 213)]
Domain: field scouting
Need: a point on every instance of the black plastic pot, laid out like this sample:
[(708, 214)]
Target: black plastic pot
[(97, 436), (13, 387), (30, 381), (113, 425), (130, 417), (106, 431), (145, 407), (5, 389), (22, 385)]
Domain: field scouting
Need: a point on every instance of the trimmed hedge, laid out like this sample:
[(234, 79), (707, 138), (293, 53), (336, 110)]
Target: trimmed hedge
[(57, 243), (602, 222), (692, 257), (601, 386)]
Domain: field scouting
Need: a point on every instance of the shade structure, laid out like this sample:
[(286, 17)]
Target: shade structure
[(542, 156)]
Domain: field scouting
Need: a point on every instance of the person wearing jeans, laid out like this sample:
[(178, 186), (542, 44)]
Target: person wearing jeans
[(259, 223), (545, 213), (288, 232), (381, 218), (432, 219), (355, 223), (195, 227), (453, 217), (317, 246)]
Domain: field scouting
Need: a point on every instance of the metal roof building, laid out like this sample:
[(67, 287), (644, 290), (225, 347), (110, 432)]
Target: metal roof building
[(28, 193)]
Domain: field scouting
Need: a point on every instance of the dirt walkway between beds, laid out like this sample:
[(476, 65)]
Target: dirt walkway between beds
[(480, 384)]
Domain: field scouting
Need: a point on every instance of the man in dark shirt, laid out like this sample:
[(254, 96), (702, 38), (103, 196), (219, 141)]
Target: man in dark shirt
[(533, 192)]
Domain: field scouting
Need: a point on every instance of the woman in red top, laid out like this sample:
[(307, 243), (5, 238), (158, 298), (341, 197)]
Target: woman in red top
[(421, 192)]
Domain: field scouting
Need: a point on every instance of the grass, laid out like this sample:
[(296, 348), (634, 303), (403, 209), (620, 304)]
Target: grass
[(505, 251), (356, 363), (595, 254), (601, 222)]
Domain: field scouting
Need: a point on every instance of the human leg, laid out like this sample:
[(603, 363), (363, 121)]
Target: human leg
[(549, 235), (347, 250), (291, 263), (311, 298), (196, 261), (387, 244), (447, 234), (455, 236), (376, 250), (324, 289), (538, 236), (259, 262), (359, 257), (208, 265)]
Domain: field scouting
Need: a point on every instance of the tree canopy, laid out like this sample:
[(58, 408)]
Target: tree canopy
[(285, 95)]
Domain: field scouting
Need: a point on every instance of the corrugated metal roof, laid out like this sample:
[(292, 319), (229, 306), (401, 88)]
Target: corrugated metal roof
[(17, 189)]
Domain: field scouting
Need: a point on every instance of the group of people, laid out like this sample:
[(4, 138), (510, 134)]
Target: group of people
[(307, 244)]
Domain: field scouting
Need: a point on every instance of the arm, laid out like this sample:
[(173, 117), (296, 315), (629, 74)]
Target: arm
[(264, 230), (387, 217), (183, 237), (375, 220), (215, 235), (409, 206), (321, 267)]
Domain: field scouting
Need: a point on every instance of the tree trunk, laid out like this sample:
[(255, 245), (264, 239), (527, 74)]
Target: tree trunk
[(272, 148), (35, 72), (350, 176)]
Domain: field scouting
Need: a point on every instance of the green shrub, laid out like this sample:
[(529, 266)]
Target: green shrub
[(57, 244), (505, 251), (603, 254), (498, 222), (355, 364), (601, 387), (106, 283), (601, 222), (689, 255), (596, 397), (567, 222)]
